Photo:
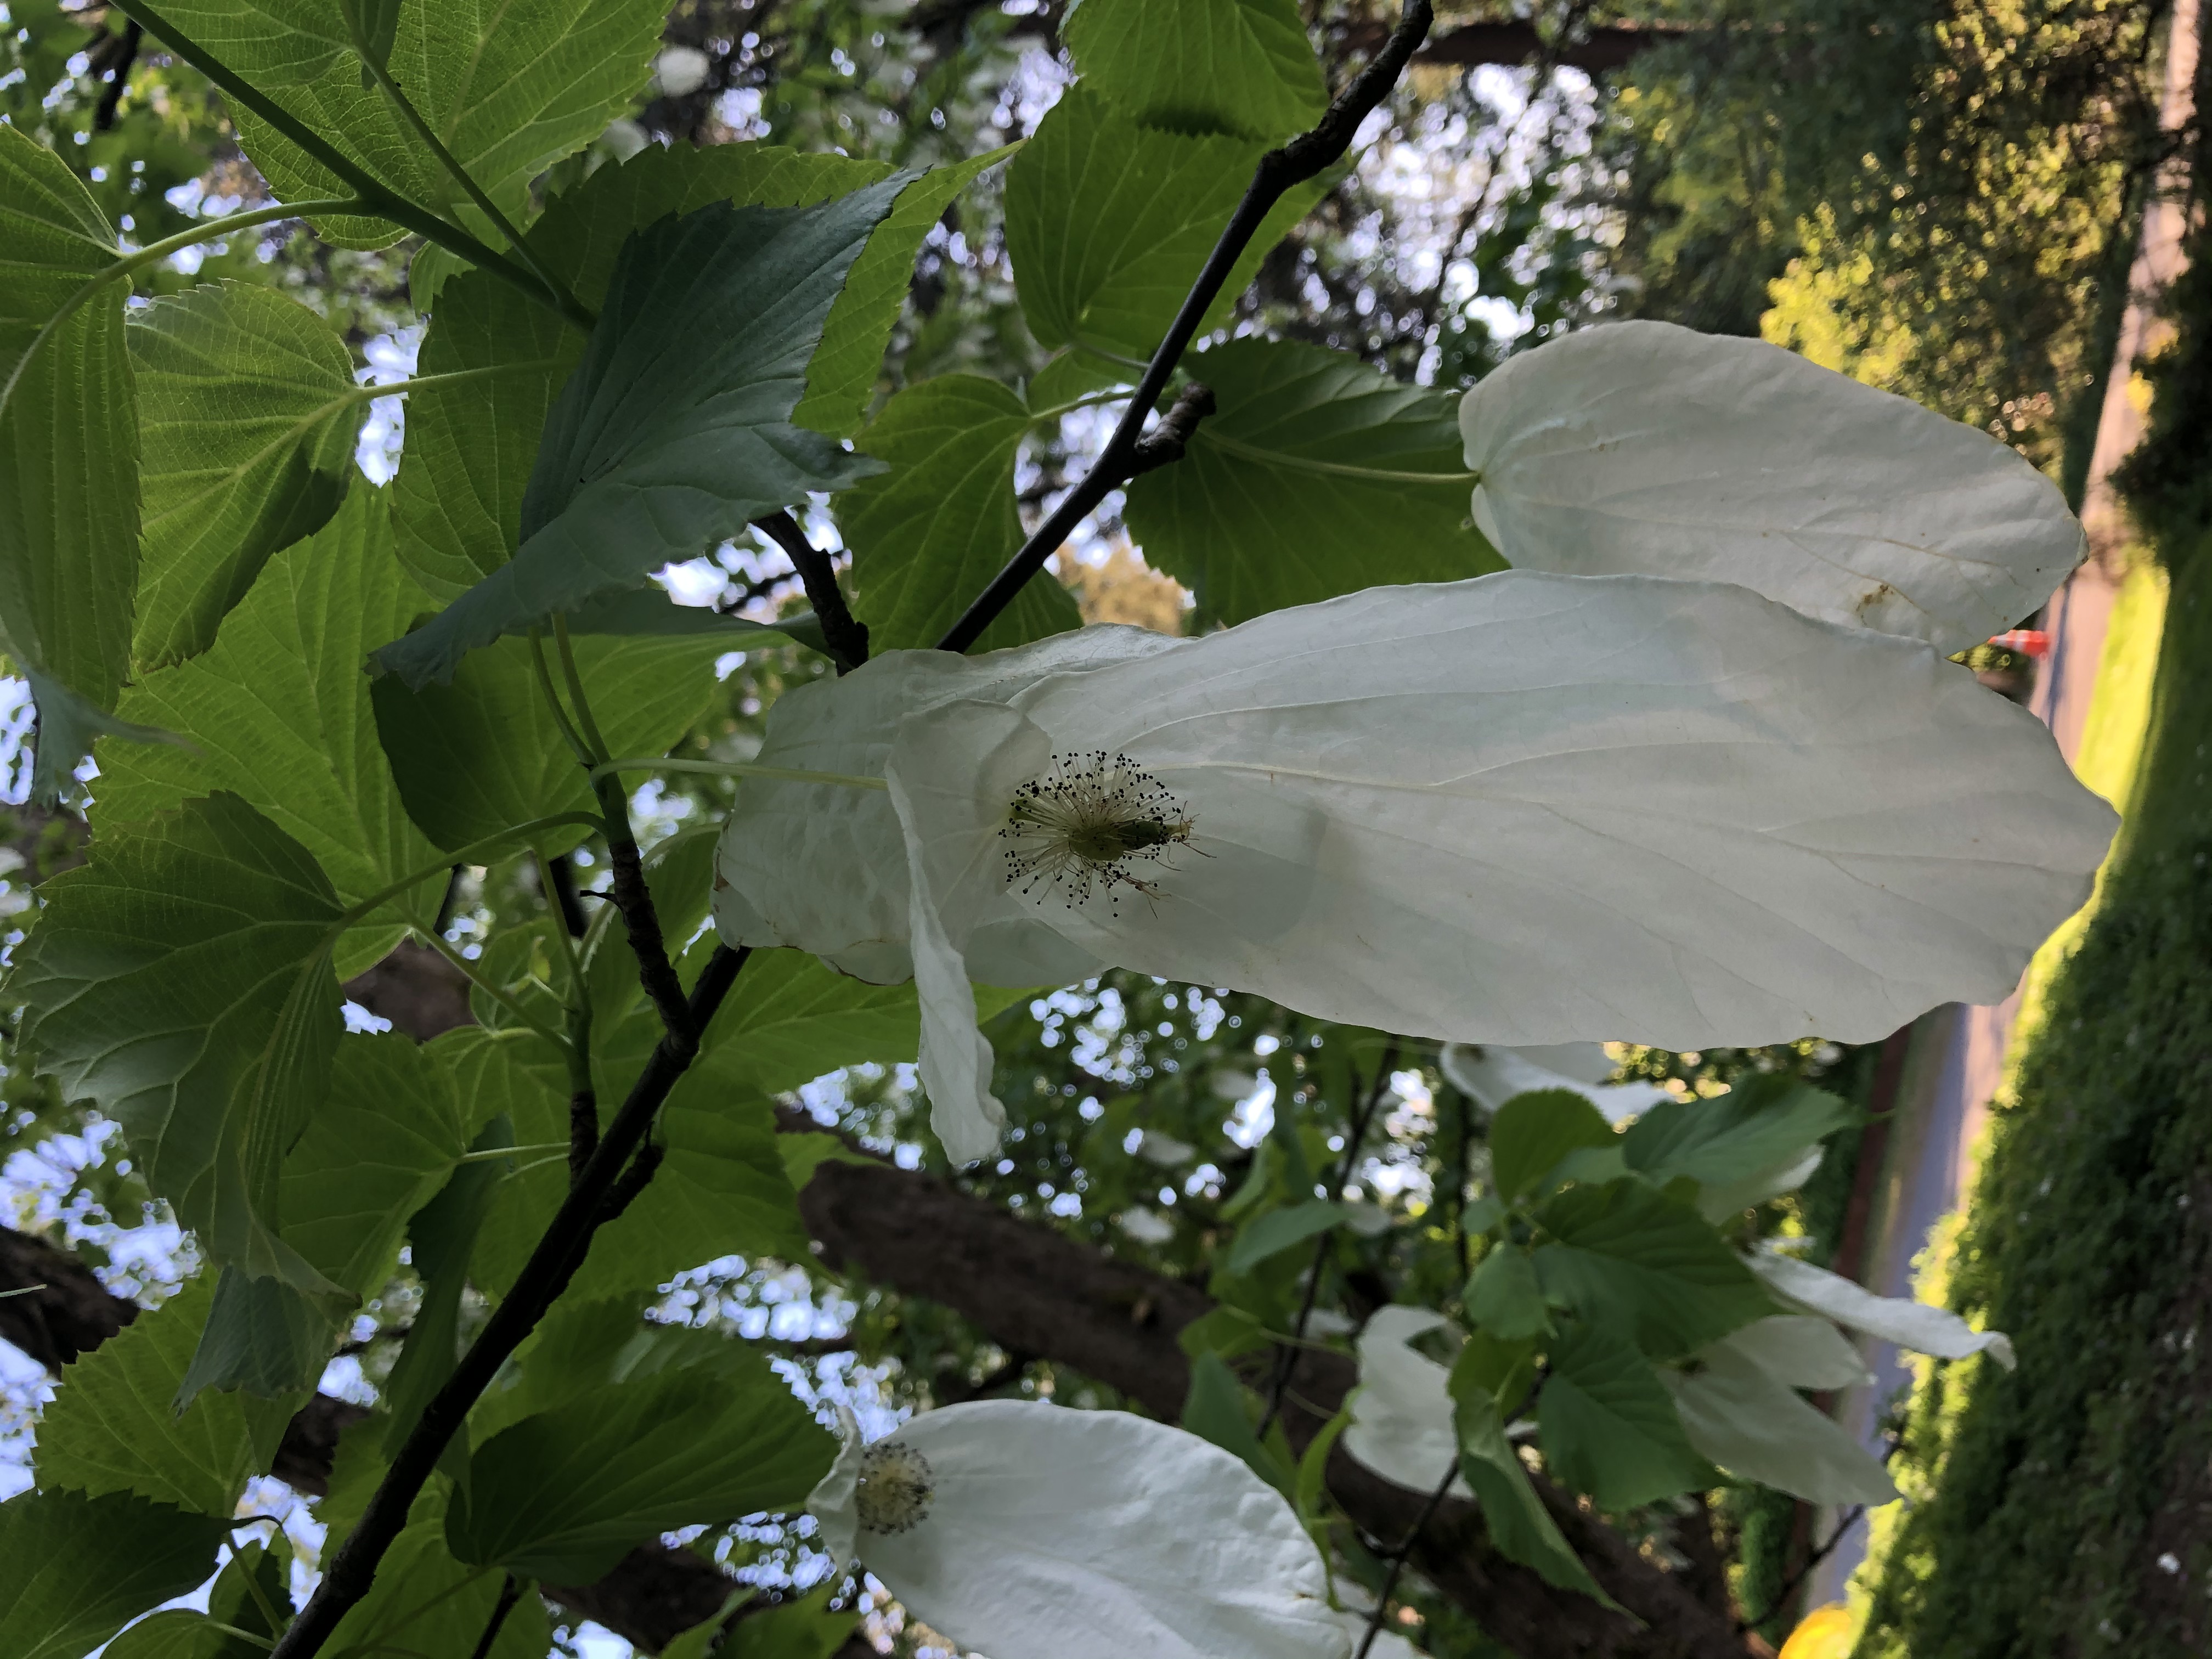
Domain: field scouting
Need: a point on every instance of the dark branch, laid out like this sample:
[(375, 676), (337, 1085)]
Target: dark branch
[(1166, 443), (114, 58), (846, 638), (640, 922), (510, 1594), (1279, 170)]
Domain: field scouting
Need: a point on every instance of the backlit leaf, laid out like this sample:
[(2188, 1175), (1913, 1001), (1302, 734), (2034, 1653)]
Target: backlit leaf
[(1628, 1256), (1240, 66), (1609, 1425), (74, 1569)]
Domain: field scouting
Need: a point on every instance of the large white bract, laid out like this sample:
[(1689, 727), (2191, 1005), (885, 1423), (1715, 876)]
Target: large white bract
[(1644, 446), (1527, 808), (1029, 1531)]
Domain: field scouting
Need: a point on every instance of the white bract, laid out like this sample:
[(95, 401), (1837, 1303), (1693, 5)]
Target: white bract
[(1914, 1325), (1741, 1407), (1492, 1076), (1644, 446), (1029, 1531), (1528, 809), (1401, 1412)]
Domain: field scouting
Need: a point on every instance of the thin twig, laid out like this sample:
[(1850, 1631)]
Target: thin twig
[(123, 51), (510, 1594), (1355, 1132), (559, 1252), (1280, 171), (1397, 1559), (845, 635)]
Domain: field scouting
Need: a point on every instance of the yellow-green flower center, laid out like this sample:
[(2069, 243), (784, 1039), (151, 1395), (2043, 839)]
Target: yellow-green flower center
[(1083, 825), (893, 1487)]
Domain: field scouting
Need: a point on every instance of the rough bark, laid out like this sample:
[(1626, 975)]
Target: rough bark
[(64, 1310)]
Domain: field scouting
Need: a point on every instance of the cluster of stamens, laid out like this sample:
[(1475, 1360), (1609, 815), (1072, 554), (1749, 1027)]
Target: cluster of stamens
[(894, 1488), (1081, 827)]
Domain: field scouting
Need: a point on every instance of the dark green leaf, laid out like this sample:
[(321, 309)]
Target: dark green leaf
[(74, 1569), (928, 536), (442, 1236), (1214, 1410), (1533, 1131), (1491, 1368), (675, 430), (1609, 1425), (68, 457), (482, 754), (182, 982), (811, 1629), (278, 713), (232, 1608), (247, 413), (564, 1495), (426, 1603), (1308, 482), (1762, 1122), (1504, 1299), (1278, 1230), (515, 1075), (1109, 222), (1240, 66), (264, 1338), (379, 1150), (509, 91), (1519, 1524), (1634, 1258), (374, 25), (113, 1426)]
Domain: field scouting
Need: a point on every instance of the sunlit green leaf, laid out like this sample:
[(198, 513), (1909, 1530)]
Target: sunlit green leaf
[(1609, 1425), (929, 535), (1760, 1123), (674, 431), (566, 1494), (73, 1569), (181, 981), (1316, 476), (68, 457), (1109, 222), (1628, 1256), (278, 713), (1502, 1297), (1533, 1131), (247, 412), (1240, 66)]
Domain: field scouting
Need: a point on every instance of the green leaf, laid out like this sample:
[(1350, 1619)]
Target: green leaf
[(1609, 1425), (113, 1426), (1109, 222), (1502, 1297), (1519, 1525), (1495, 1369), (373, 26), (380, 1148), (1758, 1428), (278, 713), (179, 1634), (1281, 496), (1761, 1123), (515, 1076), (1214, 1410), (442, 1237), (68, 457), (509, 90), (74, 1569), (929, 535), (1533, 1131), (479, 755), (425, 1603), (265, 1338), (674, 432), (1311, 1492), (566, 1494), (248, 414), (809, 1629), (1239, 66), (1277, 1231), (1628, 1256), (181, 980)]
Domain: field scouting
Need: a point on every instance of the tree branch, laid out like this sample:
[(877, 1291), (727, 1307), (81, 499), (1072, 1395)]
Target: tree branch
[(846, 636), (1304, 157)]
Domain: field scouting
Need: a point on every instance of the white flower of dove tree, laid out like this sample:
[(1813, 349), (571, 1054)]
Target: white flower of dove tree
[(1525, 809), (1646, 447), (1492, 1076), (1031, 1531)]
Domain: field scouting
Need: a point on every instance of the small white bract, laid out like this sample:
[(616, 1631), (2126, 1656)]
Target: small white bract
[(1492, 1076), (1030, 1531), (1086, 825)]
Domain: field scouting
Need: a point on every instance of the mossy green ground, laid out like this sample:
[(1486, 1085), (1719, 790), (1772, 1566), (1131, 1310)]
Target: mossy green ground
[(2066, 1508)]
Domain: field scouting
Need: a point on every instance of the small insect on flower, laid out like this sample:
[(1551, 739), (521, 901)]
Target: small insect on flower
[(1086, 822)]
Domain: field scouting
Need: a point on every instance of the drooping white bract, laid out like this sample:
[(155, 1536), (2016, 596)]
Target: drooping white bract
[(1914, 1325), (1525, 809), (1029, 1531), (1492, 1076), (1401, 1412), (1740, 1407), (1644, 446)]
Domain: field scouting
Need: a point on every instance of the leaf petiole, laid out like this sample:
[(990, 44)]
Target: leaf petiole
[(1334, 469), (733, 769)]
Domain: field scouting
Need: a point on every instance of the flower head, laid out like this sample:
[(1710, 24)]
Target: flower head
[(1527, 808), (1031, 1531)]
